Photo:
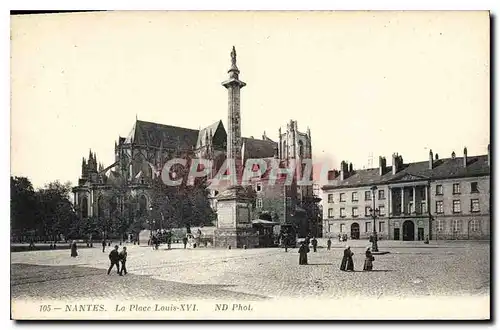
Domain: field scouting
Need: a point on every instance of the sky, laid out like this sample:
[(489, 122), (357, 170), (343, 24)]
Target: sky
[(365, 83)]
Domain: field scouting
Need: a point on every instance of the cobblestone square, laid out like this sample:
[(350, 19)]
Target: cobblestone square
[(411, 269)]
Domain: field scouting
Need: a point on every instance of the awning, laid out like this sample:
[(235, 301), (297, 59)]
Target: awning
[(264, 222)]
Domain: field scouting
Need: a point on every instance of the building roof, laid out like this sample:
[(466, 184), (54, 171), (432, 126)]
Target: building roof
[(156, 135), (210, 130), (447, 168), (254, 148)]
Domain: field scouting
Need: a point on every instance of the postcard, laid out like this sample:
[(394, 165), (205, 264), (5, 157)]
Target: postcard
[(312, 165)]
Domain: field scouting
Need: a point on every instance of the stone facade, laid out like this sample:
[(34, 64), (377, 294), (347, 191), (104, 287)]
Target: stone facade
[(439, 199)]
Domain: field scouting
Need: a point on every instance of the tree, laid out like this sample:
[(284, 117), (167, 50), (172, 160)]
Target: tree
[(54, 210), (22, 206)]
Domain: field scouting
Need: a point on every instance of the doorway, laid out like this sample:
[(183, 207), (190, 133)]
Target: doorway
[(355, 231), (408, 231), (396, 234), (420, 234)]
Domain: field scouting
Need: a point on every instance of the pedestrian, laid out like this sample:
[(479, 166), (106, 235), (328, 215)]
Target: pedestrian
[(303, 251), (369, 258), (74, 252), (314, 242), (328, 244), (184, 241), (114, 258), (347, 262), (103, 245), (285, 241), (340, 238), (123, 260)]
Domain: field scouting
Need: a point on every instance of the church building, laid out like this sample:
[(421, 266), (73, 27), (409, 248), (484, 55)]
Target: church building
[(140, 156)]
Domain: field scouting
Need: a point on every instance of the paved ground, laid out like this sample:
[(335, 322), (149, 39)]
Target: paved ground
[(411, 269)]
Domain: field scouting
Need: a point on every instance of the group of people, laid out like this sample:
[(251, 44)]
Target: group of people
[(117, 258), (347, 263)]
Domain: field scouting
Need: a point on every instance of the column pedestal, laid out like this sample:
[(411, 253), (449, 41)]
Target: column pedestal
[(234, 220)]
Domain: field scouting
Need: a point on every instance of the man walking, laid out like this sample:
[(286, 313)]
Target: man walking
[(114, 258), (184, 241), (103, 245), (123, 260), (328, 244), (314, 243)]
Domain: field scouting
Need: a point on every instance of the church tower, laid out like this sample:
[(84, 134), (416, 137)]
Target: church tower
[(234, 85)]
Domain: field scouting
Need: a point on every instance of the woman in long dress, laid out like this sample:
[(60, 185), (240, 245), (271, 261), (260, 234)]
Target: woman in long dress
[(368, 260), (347, 262), (74, 253), (303, 251)]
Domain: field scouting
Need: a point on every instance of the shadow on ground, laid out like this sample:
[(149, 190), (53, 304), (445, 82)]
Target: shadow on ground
[(77, 282)]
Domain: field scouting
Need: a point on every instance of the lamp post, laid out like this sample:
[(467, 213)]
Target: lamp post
[(374, 213)]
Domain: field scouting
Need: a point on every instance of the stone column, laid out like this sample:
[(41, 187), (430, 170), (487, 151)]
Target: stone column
[(426, 198), (414, 210), (402, 200), (389, 204)]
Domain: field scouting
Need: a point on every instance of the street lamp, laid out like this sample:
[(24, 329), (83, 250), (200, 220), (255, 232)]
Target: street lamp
[(374, 212)]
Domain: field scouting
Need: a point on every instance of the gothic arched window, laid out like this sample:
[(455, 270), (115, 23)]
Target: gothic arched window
[(100, 207), (301, 149), (142, 205), (85, 207)]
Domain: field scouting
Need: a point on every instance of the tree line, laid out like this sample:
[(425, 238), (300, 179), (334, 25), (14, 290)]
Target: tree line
[(48, 214)]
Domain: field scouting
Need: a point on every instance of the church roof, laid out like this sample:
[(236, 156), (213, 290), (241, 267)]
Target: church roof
[(156, 135), (210, 130), (446, 168), (254, 148)]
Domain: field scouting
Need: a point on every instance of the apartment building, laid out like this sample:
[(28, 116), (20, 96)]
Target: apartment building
[(438, 198)]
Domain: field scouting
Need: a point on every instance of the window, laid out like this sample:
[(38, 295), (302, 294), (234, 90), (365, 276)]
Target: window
[(342, 197), (381, 227), (439, 207), (456, 188), (439, 189), (456, 206), (410, 207), (368, 227), (330, 198), (367, 211), (457, 225), (355, 212), (439, 226), (258, 187), (259, 203), (342, 212), (354, 196), (423, 207), (474, 205), (381, 210), (381, 194), (368, 195), (330, 228), (330, 213), (474, 225), (473, 187), (342, 228)]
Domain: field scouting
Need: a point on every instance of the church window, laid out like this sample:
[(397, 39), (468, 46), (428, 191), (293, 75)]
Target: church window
[(142, 205), (301, 149), (100, 207), (85, 207)]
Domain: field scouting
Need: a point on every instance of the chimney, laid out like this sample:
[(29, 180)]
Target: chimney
[(431, 159), (465, 157), (453, 155), (332, 175), (344, 173), (381, 165), (489, 159), (394, 164), (437, 157)]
